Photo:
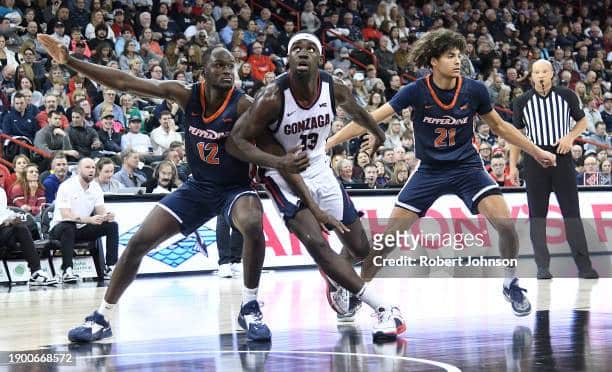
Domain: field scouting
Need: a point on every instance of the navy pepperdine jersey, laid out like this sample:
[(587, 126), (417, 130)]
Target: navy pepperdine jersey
[(443, 120), (205, 140)]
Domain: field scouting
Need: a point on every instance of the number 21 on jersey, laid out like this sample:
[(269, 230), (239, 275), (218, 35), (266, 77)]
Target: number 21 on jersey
[(209, 152), (446, 137)]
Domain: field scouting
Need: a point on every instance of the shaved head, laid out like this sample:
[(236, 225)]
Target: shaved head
[(542, 76)]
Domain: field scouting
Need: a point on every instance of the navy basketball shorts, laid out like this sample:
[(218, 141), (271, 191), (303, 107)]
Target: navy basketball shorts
[(195, 203), (324, 188), (425, 186)]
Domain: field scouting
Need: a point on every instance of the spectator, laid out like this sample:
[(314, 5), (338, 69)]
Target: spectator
[(361, 160), (127, 176), (592, 114), (7, 57), (53, 138), (342, 60), (97, 19), (605, 170), (59, 173), (26, 84), (388, 160), (105, 169), (310, 21), (369, 176), (400, 175), (485, 151), (17, 122), (382, 178), (590, 174), (119, 23), (394, 134), (13, 230), (127, 38), (177, 149), (109, 95), (499, 170), (166, 105), (28, 193), (344, 170), (135, 140), (600, 136), (483, 134), (165, 134), (84, 139), (165, 178), (260, 63), (19, 164), (110, 135), (77, 199)]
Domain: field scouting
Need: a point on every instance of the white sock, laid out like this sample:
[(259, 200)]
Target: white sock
[(509, 275), (249, 295), (106, 309), (370, 297)]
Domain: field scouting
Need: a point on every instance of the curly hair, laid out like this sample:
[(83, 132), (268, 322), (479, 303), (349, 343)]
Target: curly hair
[(433, 44)]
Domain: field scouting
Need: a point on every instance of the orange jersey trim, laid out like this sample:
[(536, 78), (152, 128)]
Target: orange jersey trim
[(218, 113), (435, 96)]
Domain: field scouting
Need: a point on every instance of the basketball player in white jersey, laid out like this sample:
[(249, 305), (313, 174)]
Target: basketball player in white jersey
[(297, 110)]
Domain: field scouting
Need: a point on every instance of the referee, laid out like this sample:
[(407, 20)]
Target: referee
[(545, 112)]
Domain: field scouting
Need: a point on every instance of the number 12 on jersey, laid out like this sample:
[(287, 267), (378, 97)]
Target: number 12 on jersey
[(446, 137), (209, 152)]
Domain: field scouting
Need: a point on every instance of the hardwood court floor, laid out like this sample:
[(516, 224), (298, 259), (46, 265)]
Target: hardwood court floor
[(188, 323)]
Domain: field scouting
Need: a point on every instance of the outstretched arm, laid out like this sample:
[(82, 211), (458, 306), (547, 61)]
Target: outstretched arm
[(353, 129), (344, 98), (508, 132), (117, 79), (253, 124)]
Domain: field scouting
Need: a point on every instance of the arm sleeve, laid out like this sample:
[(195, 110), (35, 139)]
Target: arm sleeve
[(406, 97), (575, 111), (62, 199), (481, 98)]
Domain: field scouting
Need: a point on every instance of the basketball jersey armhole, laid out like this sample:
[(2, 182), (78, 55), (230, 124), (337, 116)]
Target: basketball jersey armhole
[(281, 81), (330, 81)]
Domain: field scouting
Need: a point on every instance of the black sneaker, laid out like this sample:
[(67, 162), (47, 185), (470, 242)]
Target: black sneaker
[(251, 320), (94, 328), (543, 273), (514, 294), (588, 274)]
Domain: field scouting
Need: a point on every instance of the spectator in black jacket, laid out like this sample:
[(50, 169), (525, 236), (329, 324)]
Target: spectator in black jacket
[(18, 122), (111, 140), (83, 139)]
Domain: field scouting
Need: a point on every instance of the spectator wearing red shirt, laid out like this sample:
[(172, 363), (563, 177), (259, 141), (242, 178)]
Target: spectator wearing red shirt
[(260, 63), (28, 193), (51, 104)]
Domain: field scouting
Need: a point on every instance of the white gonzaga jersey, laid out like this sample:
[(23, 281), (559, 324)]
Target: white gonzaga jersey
[(308, 127)]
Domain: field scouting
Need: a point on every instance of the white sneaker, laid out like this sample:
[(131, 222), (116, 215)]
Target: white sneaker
[(68, 276), (108, 272), (225, 271), (390, 324), (236, 268), (40, 278)]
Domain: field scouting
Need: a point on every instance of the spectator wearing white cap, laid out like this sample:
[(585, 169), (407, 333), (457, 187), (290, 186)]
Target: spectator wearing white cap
[(342, 60)]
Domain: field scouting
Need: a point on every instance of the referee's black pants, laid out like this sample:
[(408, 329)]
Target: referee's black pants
[(562, 180)]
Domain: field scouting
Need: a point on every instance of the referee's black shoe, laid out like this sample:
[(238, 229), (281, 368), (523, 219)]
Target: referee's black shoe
[(588, 274), (544, 273)]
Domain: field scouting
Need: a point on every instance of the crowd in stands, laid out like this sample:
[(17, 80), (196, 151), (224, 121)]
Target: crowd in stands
[(138, 142)]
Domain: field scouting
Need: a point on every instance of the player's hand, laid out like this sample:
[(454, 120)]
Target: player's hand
[(294, 161), (370, 143), (325, 219), (564, 145), (546, 159), (55, 48), (513, 174), (109, 217)]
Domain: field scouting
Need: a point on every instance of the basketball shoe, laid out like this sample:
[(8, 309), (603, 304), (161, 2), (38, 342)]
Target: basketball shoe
[(354, 306), (251, 320), (514, 294), (337, 297), (94, 328), (390, 323)]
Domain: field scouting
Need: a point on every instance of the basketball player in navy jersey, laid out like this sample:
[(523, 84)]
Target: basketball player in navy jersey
[(444, 104), (220, 184), (297, 109)]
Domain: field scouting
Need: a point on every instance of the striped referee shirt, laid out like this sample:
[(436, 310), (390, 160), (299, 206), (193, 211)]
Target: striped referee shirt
[(546, 119)]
